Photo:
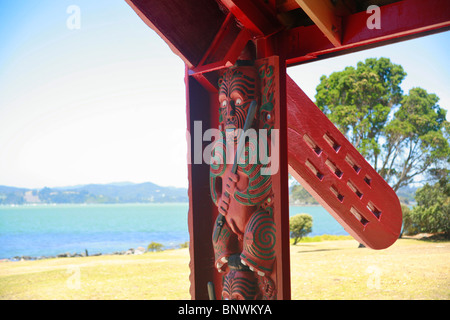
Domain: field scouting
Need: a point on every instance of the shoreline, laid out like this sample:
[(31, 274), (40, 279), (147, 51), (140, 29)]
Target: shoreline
[(142, 250), (131, 251)]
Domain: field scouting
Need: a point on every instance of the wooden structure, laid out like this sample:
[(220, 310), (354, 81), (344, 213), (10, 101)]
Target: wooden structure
[(210, 37)]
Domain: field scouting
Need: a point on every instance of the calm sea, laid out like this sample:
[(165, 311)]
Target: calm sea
[(48, 230)]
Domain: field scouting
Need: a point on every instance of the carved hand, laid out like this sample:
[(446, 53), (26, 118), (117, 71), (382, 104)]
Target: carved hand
[(230, 180)]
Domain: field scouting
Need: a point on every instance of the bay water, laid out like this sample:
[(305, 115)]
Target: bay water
[(49, 230)]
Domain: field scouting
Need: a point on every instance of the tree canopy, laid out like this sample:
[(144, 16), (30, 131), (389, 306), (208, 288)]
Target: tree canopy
[(402, 136)]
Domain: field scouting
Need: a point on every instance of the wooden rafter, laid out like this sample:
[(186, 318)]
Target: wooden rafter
[(323, 15), (256, 16), (400, 21)]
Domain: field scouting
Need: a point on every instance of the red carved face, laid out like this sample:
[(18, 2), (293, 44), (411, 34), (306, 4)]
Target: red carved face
[(237, 89)]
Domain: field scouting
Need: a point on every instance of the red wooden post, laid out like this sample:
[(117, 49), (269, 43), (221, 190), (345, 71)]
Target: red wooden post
[(203, 107), (201, 209)]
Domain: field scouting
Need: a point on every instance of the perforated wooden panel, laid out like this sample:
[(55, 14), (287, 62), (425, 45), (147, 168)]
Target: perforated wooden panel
[(337, 175)]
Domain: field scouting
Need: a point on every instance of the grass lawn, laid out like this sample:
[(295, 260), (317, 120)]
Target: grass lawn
[(410, 269)]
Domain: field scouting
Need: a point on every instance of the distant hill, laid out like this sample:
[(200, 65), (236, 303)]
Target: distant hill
[(299, 196), (406, 194), (128, 192), (123, 192)]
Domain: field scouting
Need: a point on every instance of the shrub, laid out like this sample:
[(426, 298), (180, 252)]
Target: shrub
[(408, 223), (154, 246), (299, 226), (184, 245), (432, 212)]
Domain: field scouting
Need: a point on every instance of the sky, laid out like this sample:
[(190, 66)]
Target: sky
[(102, 99)]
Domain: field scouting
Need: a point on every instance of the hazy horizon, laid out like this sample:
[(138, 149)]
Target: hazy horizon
[(90, 183)]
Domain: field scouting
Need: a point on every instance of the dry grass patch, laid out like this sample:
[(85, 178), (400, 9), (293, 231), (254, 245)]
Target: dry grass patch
[(410, 269)]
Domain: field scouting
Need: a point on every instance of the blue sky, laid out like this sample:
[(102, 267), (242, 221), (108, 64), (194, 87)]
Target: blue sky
[(106, 102)]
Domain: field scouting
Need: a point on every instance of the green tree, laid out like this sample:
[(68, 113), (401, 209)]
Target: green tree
[(154, 246), (432, 212), (299, 226), (402, 136), (416, 140), (358, 101), (408, 224)]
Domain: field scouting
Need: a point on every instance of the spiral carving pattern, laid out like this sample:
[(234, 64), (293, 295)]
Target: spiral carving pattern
[(259, 241)]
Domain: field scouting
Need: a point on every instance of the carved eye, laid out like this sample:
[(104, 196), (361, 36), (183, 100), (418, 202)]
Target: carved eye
[(224, 103), (238, 101)]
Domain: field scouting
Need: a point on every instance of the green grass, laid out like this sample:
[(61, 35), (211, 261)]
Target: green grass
[(155, 275), (325, 237), (325, 269)]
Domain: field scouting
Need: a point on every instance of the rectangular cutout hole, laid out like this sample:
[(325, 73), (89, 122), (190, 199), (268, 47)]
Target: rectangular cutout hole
[(312, 144), (359, 216), (314, 170), (331, 142), (337, 194), (354, 189), (367, 180), (334, 168), (374, 210), (352, 164)]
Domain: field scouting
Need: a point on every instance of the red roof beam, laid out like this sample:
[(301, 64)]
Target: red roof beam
[(226, 47), (399, 21), (188, 27), (255, 16), (323, 15)]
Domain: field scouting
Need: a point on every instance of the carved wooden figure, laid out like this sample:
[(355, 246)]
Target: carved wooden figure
[(244, 235)]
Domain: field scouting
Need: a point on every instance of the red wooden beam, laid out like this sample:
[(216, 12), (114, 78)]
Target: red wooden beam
[(400, 21), (224, 50), (207, 37), (188, 27), (323, 15), (255, 16), (338, 176)]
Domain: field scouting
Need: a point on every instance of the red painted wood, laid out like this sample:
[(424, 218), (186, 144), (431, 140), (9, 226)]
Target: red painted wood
[(188, 27), (336, 174), (254, 15), (225, 51), (201, 215), (400, 21), (205, 34), (281, 187), (202, 105)]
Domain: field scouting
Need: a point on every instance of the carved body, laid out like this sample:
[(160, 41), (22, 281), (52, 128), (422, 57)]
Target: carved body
[(244, 233)]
